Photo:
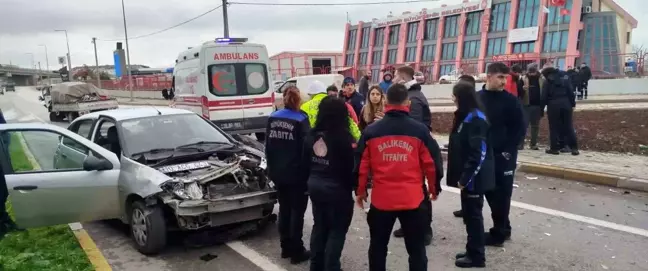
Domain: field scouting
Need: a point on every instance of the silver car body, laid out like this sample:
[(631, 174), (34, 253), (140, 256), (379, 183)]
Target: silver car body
[(95, 195)]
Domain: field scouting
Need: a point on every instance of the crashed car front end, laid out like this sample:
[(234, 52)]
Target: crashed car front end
[(218, 191)]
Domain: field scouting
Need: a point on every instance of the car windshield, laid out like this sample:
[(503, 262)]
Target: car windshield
[(167, 132)]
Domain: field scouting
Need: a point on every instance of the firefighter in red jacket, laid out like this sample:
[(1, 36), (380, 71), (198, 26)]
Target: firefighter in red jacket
[(398, 151)]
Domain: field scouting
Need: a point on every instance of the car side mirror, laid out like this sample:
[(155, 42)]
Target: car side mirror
[(40, 98), (92, 163)]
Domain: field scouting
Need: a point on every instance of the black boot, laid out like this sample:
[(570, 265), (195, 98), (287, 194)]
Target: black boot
[(460, 255), (301, 257), (575, 152), (554, 152), (399, 233), (467, 262), (565, 150), (489, 240), (458, 213)]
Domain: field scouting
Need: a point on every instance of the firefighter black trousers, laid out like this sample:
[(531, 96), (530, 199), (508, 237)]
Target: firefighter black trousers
[(413, 222), (292, 206), (331, 224), (561, 127), (499, 199), (472, 205)]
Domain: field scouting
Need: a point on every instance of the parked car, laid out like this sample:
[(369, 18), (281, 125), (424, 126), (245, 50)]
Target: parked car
[(134, 165), (9, 86)]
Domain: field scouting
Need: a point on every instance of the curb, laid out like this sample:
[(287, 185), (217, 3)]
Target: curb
[(89, 247), (581, 176)]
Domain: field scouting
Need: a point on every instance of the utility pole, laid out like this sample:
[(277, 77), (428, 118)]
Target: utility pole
[(49, 79), (40, 73), (225, 20), (128, 65), (94, 41)]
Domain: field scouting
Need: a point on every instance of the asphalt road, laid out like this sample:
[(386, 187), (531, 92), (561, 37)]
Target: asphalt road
[(558, 225)]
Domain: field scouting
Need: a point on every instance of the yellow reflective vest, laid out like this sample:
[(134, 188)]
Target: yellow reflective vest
[(312, 107)]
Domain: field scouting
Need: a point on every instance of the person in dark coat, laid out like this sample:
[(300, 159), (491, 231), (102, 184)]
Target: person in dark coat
[(6, 223), (470, 168), (558, 97), (585, 74), (286, 132), (467, 79), (533, 82), (328, 152), (419, 110), (507, 127), (351, 96), (363, 84), (399, 153)]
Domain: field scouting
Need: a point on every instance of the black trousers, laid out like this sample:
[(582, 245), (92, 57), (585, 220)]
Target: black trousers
[(499, 199), (472, 205), (561, 127), (332, 221), (582, 89), (413, 222), (292, 206), (427, 203)]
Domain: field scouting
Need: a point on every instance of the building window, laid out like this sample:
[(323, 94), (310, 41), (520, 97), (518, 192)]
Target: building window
[(528, 13), (450, 26), (449, 51), (600, 44), (554, 17), (524, 47), (410, 54), (376, 57), (428, 52), (500, 14), (379, 37), (431, 29), (496, 46), (391, 56), (412, 31), (628, 38), (365, 37), (471, 49), (555, 41), (393, 34), (362, 58), (473, 23), (352, 39), (349, 59), (375, 75), (446, 69)]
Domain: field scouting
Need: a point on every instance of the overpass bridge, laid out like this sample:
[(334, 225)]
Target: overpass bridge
[(24, 77)]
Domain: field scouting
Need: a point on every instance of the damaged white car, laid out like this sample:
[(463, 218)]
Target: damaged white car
[(156, 169)]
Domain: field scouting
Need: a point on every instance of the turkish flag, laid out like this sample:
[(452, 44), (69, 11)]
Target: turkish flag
[(564, 11), (557, 2)]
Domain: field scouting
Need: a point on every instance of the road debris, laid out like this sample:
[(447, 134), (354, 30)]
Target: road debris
[(531, 177)]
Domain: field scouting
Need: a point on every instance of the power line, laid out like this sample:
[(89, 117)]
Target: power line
[(168, 28), (331, 4)]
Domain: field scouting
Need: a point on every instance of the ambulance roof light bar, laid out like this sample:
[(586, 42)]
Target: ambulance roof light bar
[(231, 40)]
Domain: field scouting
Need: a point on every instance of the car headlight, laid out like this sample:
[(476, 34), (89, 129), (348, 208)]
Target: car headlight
[(188, 191)]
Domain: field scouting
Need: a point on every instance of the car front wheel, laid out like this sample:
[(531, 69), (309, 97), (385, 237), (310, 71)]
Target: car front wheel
[(148, 228)]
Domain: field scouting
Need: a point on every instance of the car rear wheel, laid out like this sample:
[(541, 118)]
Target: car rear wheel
[(148, 228)]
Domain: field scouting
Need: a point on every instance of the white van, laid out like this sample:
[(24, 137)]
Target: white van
[(302, 82), (226, 81)]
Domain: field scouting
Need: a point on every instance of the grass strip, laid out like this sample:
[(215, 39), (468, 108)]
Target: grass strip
[(52, 248)]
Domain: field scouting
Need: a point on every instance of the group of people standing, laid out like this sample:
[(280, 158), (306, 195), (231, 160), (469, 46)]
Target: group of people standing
[(325, 154)]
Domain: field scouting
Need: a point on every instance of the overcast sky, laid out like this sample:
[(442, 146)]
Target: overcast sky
[(24, 25)]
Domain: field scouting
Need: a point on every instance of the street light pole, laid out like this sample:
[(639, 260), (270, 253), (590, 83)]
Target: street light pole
[(49, 79), (94, 41), (67, 41), (128, 65)]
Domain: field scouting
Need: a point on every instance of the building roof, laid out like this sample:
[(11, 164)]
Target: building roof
[(304, 53), (626, 15)]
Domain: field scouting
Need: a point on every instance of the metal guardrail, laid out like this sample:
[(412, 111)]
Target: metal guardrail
[(22, 71)]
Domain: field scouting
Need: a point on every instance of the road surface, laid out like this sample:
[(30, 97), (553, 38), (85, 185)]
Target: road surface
[(558, 225)]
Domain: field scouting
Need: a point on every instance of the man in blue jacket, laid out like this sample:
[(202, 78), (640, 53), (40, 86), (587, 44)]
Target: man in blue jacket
[(508, 126)]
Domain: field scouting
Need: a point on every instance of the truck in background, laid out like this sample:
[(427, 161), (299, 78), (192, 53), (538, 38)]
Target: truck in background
[(70, 100)]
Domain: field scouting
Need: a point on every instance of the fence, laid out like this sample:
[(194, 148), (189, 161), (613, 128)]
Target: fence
[(140, 83)]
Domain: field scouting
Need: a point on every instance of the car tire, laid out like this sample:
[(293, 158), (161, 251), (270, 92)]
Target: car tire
[(149, 221), (53, 117)]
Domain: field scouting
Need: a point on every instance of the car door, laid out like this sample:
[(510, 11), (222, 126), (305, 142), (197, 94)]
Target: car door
[(42, 195), (69, 152)]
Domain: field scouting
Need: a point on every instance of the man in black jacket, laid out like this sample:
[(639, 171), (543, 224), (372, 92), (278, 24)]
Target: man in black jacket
[(363, 85), (533, 83), (558, 96), (420, 111), (506, 116), (286, 131), (351, 96), (585, 74)]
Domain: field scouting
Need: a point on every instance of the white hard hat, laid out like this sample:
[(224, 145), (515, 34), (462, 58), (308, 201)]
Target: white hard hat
[(316, 87)]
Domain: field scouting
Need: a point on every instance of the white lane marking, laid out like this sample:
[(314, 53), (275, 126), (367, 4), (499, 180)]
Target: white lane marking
[(254, 257), (575, 217)]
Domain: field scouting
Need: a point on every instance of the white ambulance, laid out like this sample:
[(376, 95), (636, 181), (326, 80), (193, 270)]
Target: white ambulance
[(226, 81)]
